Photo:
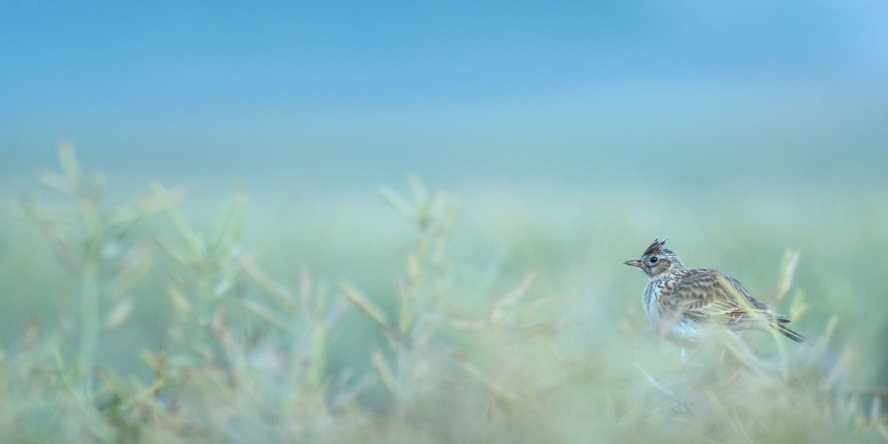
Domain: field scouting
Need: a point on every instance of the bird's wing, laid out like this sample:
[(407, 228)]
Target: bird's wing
[(701, 294)]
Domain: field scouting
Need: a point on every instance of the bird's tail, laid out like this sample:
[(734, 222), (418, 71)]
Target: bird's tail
[(788, 332)]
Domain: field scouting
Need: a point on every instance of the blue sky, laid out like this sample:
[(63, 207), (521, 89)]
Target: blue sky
[(422, 85)]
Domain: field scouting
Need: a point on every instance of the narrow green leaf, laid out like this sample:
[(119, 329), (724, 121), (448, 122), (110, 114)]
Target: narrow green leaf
[(385, 372), (70, 167), (830, 328), (507, 398), (406, 316), (273, 287), (396, 202), (510, 299), (56, 182), (143, 207), (180, 302), (174, 252), (135, 265), (422, 203), (195, 243), (149, 359), (790, 261), (269, 314), (119, 313), (228, 222), (364, 303)]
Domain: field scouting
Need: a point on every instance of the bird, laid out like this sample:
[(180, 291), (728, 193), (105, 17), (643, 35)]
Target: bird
[(683, 302)]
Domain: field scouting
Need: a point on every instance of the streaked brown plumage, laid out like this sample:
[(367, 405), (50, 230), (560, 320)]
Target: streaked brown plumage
[(682, 301)]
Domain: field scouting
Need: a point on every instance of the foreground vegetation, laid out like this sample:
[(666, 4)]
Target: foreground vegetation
[(156, 331)]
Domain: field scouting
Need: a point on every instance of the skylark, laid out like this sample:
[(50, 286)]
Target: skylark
[(683, 301)]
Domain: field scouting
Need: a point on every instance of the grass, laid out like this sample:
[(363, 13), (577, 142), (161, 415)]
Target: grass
[(491, 320)]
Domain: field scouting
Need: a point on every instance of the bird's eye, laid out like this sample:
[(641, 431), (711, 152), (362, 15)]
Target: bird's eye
[(654, 260)]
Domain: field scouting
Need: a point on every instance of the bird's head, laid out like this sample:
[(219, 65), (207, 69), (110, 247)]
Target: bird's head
[(656, 260)]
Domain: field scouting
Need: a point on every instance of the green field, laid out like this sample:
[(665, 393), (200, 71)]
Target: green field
[(243, 313)]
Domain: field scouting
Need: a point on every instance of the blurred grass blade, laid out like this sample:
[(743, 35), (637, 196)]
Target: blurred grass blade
[(396, 202), (229, 222), (882, 429), (68, 160), (180, 302), (406, 315), (136, 264), (32, 332), (422, 203), (136, 209), (273, 287), (799, 306), (451, 214), (653, 381), (790, 261), (503, 396), (174, 252), (838, 370), (346, 397), (149, 359), (119, 313), (56, 182), (420, 194), (827, 333), (362, 301), (269, 314), (60, 245), (335, 316), (510, 299), (194, 242), (385, 373)]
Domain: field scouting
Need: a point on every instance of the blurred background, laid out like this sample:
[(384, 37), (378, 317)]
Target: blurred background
[(573, 133), (562, 95)]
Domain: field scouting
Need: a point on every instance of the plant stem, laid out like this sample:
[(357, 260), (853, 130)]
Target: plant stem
[(89, 311)]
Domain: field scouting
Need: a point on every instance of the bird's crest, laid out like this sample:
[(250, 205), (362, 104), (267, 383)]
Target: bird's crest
[(655, 246)]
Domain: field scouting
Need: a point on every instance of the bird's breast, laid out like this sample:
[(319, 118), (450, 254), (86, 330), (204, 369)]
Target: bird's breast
[(651, 300)]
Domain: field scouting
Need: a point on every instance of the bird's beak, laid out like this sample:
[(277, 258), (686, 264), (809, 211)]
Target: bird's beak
[(635, 263)]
